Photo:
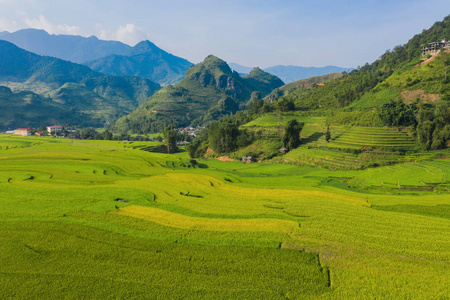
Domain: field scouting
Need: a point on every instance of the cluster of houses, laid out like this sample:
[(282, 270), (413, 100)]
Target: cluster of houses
[(191, 131), (51, 130), (435, 47)]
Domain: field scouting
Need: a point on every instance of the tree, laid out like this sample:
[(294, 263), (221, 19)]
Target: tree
[(397, 113), (107, 135), (88, 133), (433, 130), (328, 134), (222, 136), (170, 139), (291, 137)]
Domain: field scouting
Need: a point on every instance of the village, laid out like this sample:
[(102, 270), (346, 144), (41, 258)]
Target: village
[(54, 130), (185, 134)]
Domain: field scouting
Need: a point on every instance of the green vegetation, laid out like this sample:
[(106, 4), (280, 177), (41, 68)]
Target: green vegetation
[(143, 60), (54, 91), (95, 219), (209, 92)]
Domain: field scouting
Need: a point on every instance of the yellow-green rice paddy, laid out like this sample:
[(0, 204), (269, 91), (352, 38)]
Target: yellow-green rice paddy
[(98, 219)]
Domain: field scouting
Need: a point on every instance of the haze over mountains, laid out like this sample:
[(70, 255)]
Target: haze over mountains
[(292, 73), (144, 60), (109, 57), (73, 48), (45, 77), (84, 97)]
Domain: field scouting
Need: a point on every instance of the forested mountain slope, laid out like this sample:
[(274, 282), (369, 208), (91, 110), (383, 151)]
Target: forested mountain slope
[(104, 97), (144, 60), (209, 91)]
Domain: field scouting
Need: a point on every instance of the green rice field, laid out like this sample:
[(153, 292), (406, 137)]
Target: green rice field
[(104, 219)]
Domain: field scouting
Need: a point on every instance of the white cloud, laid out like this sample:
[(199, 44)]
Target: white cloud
[(130, 34), (7, 25), (43, 23)]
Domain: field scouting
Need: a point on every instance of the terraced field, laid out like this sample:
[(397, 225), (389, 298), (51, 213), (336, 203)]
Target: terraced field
[(373, 137), (97, 219)]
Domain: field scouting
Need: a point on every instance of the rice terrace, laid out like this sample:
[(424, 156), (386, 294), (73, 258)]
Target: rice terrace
[(278, 151), (101, 219)]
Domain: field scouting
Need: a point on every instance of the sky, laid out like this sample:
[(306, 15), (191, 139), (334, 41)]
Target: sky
[(264, 33)]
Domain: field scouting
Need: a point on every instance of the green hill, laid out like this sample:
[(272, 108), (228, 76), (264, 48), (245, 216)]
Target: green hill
[(76, 88), (373, 78), (144, 60), (304, 84), (383, 113), (25, 109), (209, 91)]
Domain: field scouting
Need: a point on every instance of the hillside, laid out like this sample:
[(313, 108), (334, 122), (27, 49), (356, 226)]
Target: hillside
[(25, 108), (388, 112), (209, 91), (303, 84), (73, 48), (369, 79), (292, 73), (79, 86), (144, 60)]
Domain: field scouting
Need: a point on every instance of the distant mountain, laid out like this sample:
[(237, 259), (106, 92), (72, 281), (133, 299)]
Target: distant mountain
[(144, 60), (25, 109), (261, 81), (292, 73), (73, 48), (72, 87), (209, 91), (303, 84), (240, 69), (109, 57)]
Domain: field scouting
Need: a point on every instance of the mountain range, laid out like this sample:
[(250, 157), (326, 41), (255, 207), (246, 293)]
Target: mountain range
[(292, 73), (209, 91), (90, 96), (109, 57), (144, 60)]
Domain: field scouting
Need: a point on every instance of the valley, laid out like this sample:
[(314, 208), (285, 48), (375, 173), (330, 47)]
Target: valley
[(103, 212), (127, 172)]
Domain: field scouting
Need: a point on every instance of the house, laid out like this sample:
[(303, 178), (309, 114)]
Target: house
[(54, 129), (283, 150), (248, 159), (435, 47), (23, 131)]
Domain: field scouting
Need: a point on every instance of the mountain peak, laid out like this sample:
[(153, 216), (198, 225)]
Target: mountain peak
[(256, 71), (213, 62), (142, 48)]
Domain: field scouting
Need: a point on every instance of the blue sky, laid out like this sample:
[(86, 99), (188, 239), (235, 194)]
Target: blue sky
[(249, 32)]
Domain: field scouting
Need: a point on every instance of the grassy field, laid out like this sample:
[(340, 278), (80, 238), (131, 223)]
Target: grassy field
[(103, 219)]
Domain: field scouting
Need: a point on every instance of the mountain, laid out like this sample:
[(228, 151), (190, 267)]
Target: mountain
[(292, 73), (209, 91), (261, 81), (303, 84), (144, 60), (71, 87), (372, 83), (73, 48), (27, 109), (240, 69)]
